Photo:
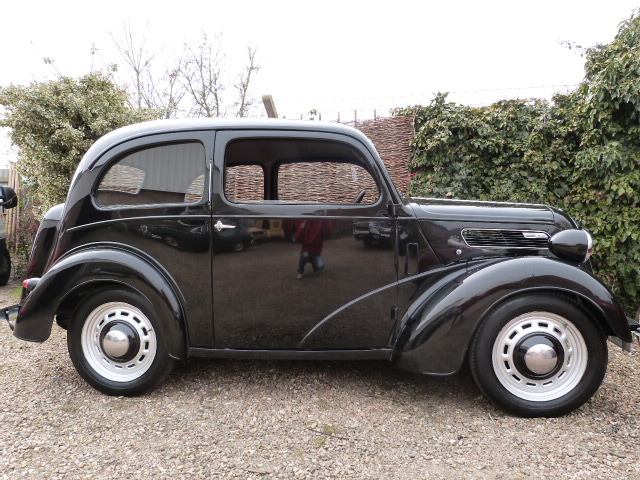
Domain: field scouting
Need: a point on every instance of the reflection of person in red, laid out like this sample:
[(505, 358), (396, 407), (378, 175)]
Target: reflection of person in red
[(311, 233)]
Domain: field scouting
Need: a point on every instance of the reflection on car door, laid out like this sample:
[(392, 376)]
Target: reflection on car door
[(307, 279)]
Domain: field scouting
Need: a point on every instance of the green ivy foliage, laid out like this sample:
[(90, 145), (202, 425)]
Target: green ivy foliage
[(54, 123), (580, 152)]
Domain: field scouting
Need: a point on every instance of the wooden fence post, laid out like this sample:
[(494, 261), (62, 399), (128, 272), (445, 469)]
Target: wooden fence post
[(13, 215)]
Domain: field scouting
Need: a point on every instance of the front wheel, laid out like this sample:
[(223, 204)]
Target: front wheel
[(538, 355), (115, 342)]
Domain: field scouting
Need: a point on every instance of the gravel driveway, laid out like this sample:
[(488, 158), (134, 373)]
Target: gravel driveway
[(248, 419)]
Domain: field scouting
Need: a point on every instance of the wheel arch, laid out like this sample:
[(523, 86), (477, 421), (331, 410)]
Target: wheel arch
[(435, 333), (585, 303), (84, 273)]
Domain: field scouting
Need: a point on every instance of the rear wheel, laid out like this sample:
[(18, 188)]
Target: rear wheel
[(116, 343), (538, 355)]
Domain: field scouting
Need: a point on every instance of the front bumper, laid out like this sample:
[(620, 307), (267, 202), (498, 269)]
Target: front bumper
[(634, 326), (10, 314)]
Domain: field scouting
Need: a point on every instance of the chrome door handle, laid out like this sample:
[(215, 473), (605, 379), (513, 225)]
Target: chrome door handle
[(219, 226)]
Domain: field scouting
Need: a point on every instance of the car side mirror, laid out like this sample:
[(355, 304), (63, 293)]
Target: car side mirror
[(8, 197)]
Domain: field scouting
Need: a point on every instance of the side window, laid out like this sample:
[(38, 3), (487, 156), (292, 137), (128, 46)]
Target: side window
[(297, 170), (325, 182), (163, 174)]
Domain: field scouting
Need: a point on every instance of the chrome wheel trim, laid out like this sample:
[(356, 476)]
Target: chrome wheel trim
[(98, 360), (564, 380)]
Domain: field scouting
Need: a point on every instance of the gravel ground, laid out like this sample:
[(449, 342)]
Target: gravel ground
[(215, 419)]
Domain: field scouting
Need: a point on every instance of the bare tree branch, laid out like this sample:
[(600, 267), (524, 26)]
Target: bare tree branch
[(139, 61), (163, 94), (201, 77), (243, 82), (195, 78)]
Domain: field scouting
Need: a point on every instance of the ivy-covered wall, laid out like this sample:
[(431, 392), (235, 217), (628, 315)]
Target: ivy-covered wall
[(580, 152)]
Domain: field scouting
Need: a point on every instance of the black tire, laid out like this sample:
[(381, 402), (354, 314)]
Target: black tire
[(142, 367), (5, 267), (536, 384)]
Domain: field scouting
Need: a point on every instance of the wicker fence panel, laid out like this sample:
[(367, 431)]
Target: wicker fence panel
[(392, 138)]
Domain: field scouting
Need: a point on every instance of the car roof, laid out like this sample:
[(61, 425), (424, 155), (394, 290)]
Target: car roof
[(168, 126)]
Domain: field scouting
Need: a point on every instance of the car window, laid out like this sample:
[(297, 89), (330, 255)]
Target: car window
[(297, 170), (163, 174)]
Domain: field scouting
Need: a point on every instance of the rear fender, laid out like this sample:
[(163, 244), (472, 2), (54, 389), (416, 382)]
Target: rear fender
[(92, 268), (434, 334)]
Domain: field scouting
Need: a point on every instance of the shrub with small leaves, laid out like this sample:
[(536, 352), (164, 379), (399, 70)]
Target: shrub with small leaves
[(581, 152), (54, 123)]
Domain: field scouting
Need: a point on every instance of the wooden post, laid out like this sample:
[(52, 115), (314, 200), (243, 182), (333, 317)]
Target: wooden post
[(13, 216), (269, 106)]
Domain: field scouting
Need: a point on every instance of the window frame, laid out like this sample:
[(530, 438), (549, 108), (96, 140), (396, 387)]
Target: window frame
[(268, 207), (114, 155)]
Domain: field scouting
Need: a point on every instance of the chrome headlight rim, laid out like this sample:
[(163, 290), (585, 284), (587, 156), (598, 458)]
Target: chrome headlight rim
[(589, 245), (572, 245)]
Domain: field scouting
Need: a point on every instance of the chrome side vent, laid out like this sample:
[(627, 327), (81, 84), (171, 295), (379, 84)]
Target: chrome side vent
[(489, 238)]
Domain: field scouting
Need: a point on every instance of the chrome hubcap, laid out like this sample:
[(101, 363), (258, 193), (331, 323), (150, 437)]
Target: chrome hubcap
[(541, 359), (119, 341), (115, 343), (539, 356)]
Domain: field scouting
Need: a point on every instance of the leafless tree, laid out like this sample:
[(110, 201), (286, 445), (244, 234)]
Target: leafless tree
[(245, 102), (139, 61), (194, 83), (201, 77)]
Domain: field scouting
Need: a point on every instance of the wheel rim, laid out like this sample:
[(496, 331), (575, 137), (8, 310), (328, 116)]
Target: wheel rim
[(103, 338), (538, 376)]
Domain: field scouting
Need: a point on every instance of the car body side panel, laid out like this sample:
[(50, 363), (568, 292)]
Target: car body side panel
[(101, 265), (436, 330)]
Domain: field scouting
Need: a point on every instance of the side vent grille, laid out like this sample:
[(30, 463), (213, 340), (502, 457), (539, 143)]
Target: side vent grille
[(505, 238)]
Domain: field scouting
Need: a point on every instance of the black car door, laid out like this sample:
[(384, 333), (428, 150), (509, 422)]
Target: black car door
[(304, 250)]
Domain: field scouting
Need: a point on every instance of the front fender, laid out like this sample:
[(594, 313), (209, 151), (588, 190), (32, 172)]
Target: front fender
[(436, 330), (99, 266)]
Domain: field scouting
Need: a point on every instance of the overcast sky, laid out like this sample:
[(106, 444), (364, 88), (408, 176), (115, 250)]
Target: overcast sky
[(331, 55)]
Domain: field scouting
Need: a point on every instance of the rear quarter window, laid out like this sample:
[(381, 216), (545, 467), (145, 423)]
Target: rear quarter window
[(160, 174)]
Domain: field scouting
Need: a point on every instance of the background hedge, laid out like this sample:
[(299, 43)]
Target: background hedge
[(580, 152)]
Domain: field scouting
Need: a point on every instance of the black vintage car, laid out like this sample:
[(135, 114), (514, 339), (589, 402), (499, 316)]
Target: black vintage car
[(129, 265)]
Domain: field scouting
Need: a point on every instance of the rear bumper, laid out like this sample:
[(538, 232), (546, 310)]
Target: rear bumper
[(10, 314)]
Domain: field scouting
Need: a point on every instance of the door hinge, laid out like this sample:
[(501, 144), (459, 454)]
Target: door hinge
[(393, 210)]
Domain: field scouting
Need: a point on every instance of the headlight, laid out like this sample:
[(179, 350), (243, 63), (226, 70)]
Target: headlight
[(575, 246)]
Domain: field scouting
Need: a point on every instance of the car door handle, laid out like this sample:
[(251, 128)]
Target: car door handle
[(219, 226)]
